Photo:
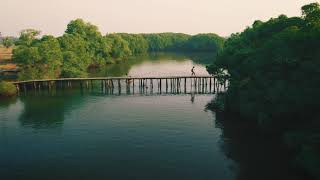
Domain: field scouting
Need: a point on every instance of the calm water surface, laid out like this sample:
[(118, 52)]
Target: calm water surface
[(159, 64), (89, 135)]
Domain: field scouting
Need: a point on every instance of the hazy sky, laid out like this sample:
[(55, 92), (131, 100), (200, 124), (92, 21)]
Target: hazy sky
[(187, 16)]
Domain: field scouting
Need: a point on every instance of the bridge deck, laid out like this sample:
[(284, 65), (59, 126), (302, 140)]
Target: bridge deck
[(109, 84), (111, 78)]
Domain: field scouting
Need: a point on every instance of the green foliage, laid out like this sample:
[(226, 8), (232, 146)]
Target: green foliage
[(119, 47), (38, 58), (83, 47), (7, 89), (76, 58), (83, 29), (137, 43), (274, 72), (274, 68), (166, 41), (98, 50), (204, 42), (27, 37), (73, 66), (182, 42), (311, 13), (7, 42)]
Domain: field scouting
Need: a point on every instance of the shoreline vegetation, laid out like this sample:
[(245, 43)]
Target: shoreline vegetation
[(83, 47), (7, 89), (273, 70)]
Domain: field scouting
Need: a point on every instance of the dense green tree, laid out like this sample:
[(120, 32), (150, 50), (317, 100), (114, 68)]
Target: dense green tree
[(274, 73), (76, 58), (39, 59), (83, 47), (73, 66), (97, 47), (166, 41), (137, 43), (119, 47), (204, 42), (27, 37), (86, 30), (182, 42), (155, 42), (268, 63), (311, 13)]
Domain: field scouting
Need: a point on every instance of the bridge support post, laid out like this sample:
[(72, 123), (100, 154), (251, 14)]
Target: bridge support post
[(185, 85), (119, 86), (214, 85), (210, 84), (166, 85), (160, 85)]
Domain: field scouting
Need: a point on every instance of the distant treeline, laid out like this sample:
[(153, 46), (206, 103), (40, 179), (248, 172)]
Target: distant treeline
[(274, 70), (83, 46)]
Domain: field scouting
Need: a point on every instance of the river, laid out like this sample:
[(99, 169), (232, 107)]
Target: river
[(90, 135)]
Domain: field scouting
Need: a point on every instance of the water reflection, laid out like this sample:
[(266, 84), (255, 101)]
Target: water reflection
[(158, 137), (158, 64), (48, 109), (42, 112), (149, 135), (257, 155), (44, 109), (192, 97), (6, 102)]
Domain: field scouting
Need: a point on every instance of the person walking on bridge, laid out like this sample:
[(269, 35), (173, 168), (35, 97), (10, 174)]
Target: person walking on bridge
[(192, 72)]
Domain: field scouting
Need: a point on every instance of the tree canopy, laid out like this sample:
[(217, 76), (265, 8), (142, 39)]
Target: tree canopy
[(38, 58), (273, 66), (82, 46), (204, 42), (274, 71), (119, 47)]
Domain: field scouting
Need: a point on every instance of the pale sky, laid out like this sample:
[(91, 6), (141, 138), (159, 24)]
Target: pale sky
[(142, 16)]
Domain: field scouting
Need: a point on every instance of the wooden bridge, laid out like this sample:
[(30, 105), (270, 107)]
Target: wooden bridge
[(205, 84)]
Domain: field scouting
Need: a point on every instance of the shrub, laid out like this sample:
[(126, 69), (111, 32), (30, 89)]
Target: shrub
[(7, 89)]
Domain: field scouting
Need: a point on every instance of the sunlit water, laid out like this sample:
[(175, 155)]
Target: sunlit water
[(91, 135)]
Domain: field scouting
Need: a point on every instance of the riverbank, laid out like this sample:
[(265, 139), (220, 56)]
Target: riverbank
[(274, 81), (7, 89), (8, 69)]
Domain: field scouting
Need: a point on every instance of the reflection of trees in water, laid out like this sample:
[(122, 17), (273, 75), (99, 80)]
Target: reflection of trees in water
[(42, 112), (45, 111), (257, 155), (203, 58), (6, 102), (123, 67)]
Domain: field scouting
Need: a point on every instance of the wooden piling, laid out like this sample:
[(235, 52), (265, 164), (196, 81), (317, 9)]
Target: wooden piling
[(210, 85), (119, 86)]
